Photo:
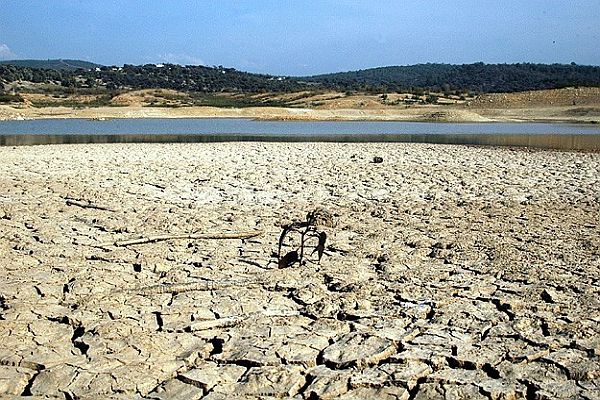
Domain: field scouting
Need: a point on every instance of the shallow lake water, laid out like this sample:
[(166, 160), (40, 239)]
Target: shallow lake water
[(50, 131)]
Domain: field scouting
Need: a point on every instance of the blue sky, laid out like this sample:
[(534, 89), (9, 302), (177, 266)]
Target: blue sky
[(288, 37)]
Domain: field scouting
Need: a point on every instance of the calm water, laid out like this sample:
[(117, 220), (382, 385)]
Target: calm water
[(51, 131), (229, 126)]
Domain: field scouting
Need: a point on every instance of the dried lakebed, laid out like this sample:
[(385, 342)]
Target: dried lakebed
[(451, 272)]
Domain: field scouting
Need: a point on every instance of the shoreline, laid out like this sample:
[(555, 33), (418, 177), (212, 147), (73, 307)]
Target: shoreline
[(423, 114), (562, 142), (559, 114)]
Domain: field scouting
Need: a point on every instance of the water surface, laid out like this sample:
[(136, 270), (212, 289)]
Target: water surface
[(229, 126), (50, 131)]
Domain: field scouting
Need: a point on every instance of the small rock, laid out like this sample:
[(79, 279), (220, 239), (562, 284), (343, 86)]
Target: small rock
[(309, 294), (408, 374), (358, 350), (327, 383), (558, 390), (458, 376), (463, 392), (53, 381), (576, 362), (176, 389), (302, 350), (384, 393), (278, 381), (13, 380), (251, 351), (210, 374), (549, 296), (430, 391)]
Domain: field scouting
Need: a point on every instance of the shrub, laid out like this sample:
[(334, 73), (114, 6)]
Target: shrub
[(11, 98), (431, 99)]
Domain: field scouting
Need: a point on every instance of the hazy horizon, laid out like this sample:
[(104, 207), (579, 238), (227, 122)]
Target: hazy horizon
[(293, 38)]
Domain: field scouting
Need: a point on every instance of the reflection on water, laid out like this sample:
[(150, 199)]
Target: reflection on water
[(557, 136), (548, 141)]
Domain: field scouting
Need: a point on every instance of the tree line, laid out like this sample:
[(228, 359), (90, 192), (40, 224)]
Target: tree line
[(477, 78)]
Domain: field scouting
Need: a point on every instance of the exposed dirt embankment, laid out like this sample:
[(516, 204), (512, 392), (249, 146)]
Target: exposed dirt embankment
[(540, 98), (564, 105), (432, 113)]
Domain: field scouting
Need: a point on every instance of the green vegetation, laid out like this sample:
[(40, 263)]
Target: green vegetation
[(213, 100), (52, 64), (101, 101), (10, 98), (479, 77), (206, 85), (431, 99)]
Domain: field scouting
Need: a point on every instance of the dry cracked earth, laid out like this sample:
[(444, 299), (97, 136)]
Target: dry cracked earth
[(451, 272)]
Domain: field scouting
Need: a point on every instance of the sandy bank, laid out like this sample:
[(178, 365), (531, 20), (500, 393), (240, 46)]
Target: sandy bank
[(249, 112), (450, 269), (416, 113)]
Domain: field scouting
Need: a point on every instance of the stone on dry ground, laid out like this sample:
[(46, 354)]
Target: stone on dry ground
[(451, 272)]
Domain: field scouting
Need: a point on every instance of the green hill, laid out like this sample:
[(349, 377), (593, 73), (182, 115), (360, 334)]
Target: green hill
[(477, 77), (59, 64)]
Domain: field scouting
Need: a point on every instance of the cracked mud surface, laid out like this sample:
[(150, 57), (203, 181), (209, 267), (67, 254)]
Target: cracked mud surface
[(452, 272)]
